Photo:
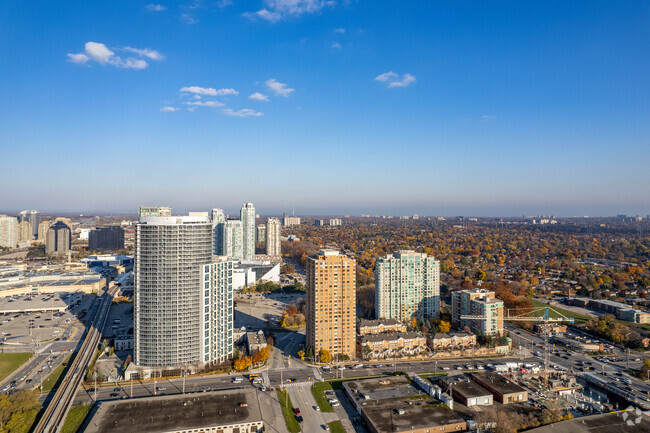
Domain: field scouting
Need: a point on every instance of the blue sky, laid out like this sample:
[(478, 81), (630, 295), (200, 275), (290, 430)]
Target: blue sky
[(329, 107)]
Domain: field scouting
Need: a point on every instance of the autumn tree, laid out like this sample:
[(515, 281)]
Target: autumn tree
[(243, 363), (325, 356), (261, 355), (444, 326)]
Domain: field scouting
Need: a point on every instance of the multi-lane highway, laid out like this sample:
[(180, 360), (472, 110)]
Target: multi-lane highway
[(54, 414)]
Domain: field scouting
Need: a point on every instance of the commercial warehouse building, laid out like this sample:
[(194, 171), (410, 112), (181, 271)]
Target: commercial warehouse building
[(502, 389), (393, 405), (213, 412)]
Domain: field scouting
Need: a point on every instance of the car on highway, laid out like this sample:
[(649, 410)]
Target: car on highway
[(114, 394), (299, 418), (161, 388), (326, 427), (296, 410)]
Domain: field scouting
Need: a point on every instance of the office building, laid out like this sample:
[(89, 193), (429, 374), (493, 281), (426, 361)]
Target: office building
[(58, 240), (485, 310), (273, 230), (335, 221), (407, 284), (232, 240), (33, 217), (319, 222), (331, 303), (247, 217), (106, 238), (25, 234), (290, 221), (8, 232), (218, 226), (156, 211), (182, 294), (43, 227)]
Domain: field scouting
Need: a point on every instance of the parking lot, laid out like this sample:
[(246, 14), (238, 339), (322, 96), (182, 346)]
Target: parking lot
[(120, 320), (29, 329), (259, 310)]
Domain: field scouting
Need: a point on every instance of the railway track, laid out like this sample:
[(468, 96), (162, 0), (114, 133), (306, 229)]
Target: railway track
[(56, 411)]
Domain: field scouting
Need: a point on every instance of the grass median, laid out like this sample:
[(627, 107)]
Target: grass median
[(318, 391), (75, 418), (336, 427), (54, 379), (9, 362), (287, 411)]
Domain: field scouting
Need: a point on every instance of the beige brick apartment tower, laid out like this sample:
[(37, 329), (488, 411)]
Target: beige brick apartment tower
[(331, 303)]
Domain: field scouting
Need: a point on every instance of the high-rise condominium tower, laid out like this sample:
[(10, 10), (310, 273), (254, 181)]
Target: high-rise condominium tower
[(273, 228), (8, 231), (247, 216), (59, 239), (331, 303), (183, 297), (218, 225), (43, 227), (407, 284), (25, 234), (232, 240), (33, 217)]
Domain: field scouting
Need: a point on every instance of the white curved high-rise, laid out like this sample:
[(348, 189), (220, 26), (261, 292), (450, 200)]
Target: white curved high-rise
[(247, 217), (183, 296)]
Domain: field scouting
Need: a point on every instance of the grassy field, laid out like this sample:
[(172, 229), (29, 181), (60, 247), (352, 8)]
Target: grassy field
[(318, 390), (578, 318), (75, 418), (9, 362), (52, 381), (287, 412), (336, 427)]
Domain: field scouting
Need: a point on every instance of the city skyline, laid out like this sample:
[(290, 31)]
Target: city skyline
[(497, 109)]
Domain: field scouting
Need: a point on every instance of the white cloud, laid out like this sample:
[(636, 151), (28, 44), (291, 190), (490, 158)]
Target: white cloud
[(336, 45), (146, 52), (205, 103), (189, 19), (168, 109), (487, 117), (101, 54), (156, 8), (131, 63), (339, 30), (244, 112), (209, 91), (257, 96), (78, 58), (394, 80), (276, 10), (280, 89)]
